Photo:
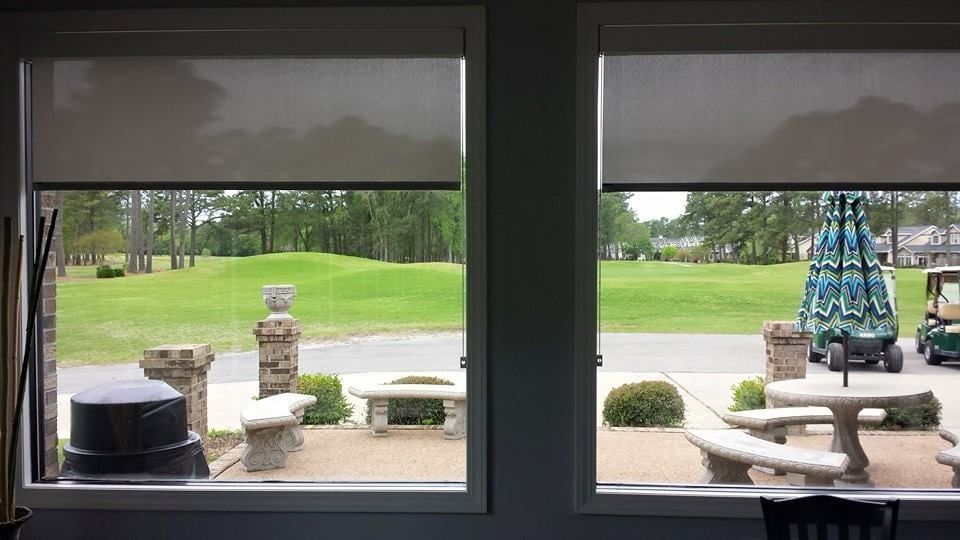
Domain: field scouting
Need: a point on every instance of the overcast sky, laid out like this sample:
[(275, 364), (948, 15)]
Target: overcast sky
[(655, 205)]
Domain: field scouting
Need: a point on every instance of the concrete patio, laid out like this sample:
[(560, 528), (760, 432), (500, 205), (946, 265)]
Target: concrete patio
[(624, 456)]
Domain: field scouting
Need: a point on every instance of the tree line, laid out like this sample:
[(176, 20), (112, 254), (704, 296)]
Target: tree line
[(759, 227), (395, 226)]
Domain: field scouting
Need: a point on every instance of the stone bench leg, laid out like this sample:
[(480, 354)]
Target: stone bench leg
[(378, 420), (455, 425), (720, 470), (777, 435), (264, 450), (292, 439), (796, 479), (955, 481)]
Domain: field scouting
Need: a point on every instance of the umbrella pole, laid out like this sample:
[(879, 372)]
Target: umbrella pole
[(846, 353)]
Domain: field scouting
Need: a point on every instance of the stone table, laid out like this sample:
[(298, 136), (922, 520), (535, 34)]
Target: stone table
[(846, 404)]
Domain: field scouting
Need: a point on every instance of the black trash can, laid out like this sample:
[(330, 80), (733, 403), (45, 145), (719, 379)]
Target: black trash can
[(132, 430)]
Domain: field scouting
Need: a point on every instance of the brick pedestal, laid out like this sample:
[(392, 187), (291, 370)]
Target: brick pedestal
[(184, 367), (48, 340), (279, 341), (786, 357)]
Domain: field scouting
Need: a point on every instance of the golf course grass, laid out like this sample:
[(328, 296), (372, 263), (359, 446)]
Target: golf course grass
[(218, 301), (102, 321)]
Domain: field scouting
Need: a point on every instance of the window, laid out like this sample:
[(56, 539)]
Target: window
[(954, 238), (200, 179), (699, 144)]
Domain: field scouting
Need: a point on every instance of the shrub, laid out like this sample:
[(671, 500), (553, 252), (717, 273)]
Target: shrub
[(916, 417), (748, 394), (644, 404), (205, 252), (414, 412), (118, 272), (105, 272), (331, 406)]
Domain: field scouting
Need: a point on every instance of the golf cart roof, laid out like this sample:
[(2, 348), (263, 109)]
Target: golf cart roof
[(889, 269), (948, 269)]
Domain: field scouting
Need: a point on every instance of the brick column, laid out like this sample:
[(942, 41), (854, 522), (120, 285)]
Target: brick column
[(279, 341), (184, 367), (786, 352), (48, 340)]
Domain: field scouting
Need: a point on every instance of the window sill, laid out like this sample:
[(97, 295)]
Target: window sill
[(287, 497), (742, 502)]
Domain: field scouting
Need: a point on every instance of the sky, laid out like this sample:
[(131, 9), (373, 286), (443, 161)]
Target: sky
[(655, 205)]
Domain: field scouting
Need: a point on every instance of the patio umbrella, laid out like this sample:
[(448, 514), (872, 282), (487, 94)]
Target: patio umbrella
[(844, 289)]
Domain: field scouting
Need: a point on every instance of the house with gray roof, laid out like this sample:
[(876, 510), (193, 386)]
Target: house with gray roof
[(922, 246)]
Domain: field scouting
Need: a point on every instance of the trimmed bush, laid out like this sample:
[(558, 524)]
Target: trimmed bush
[(105, 271), (916, 417), (748, 395), (118, 272), (414, 412), (331, 406), (644, 404)]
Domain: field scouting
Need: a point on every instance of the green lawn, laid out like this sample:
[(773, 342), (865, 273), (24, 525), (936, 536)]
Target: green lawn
[(719, 298), (160, 263), (218, 301), (113, 320)]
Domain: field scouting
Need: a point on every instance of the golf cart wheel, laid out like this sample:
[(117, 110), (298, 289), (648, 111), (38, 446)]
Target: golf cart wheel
[(930, 355), (813, 356), (919, 343), (835, 356), (893, 358)]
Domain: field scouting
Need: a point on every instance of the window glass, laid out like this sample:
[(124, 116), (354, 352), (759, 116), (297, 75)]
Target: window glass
[(306, 324), (700, 291)]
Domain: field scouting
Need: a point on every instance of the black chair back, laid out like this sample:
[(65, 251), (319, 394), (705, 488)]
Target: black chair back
[(824, 517)]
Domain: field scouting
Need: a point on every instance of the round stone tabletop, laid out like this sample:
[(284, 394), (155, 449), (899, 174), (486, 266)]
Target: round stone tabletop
[(861, 394)]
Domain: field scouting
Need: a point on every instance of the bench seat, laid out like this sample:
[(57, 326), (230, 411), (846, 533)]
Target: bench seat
[(272, 428), (767, 422), (951, 456), (454, 404), (771, 424), (728, 454)]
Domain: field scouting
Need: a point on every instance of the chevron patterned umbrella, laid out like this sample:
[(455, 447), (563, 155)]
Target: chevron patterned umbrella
[(844, 289)]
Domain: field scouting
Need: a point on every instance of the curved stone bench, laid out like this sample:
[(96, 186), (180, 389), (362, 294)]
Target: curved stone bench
[(454, 404), (771, 424), (272, 428), (951, 457), (729, 453)]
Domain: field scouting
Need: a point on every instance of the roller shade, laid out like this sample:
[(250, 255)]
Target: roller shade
[(327, 122), (811, 117)]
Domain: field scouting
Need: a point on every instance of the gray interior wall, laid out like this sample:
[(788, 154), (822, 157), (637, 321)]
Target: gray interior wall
[(531, 111)]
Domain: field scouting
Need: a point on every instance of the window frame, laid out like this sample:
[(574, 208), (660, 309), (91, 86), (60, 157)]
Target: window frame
[(700, 27), (356, 27)]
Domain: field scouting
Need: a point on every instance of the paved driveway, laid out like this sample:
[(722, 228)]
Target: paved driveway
[(674, 353)]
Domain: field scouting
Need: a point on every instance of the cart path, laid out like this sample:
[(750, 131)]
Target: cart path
[(671, 353)]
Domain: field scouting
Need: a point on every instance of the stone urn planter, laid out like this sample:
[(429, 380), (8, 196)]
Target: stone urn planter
[(278, 299)]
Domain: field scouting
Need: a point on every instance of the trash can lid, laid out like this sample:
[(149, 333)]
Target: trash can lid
[(126, 392)]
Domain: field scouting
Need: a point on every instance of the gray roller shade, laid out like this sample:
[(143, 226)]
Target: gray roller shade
[(327, 122), (812, 117)]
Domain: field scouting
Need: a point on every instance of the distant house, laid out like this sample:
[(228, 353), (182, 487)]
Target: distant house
[(684, 242), (923, 246)]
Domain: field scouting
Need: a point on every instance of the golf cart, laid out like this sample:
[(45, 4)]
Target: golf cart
[(938, 336), (868, 346)]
